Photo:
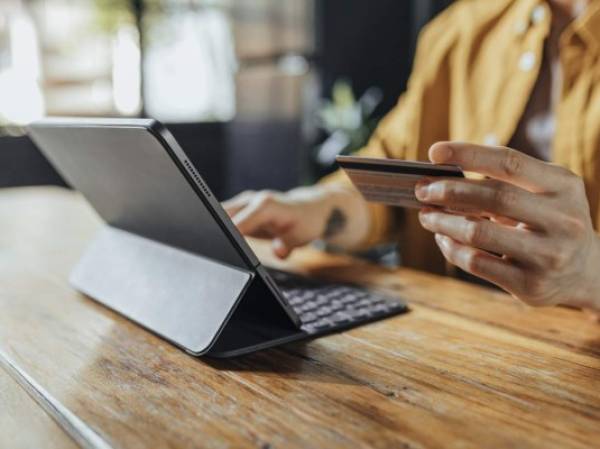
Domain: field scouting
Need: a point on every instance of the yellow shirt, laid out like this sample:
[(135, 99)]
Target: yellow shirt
[(475, 68)]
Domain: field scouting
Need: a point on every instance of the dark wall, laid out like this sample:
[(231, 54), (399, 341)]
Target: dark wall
[(370, 42), (264, 155), (367, 42)]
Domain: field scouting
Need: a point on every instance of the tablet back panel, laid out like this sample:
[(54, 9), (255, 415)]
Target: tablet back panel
[(135, 184)]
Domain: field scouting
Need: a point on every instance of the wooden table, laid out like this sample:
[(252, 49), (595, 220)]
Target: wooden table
[(466, 368)]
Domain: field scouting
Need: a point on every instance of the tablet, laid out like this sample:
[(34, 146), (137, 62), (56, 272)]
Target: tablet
[(141, 181), (392, 181)]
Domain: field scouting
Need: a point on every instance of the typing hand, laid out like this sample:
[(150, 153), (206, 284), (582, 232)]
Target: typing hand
[(289, 219), (295, 218), (539, 244)]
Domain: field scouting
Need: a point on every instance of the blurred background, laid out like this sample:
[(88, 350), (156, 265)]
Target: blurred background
[(259, 93)]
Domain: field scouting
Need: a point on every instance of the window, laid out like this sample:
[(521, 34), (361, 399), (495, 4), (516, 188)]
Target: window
[(202, 60)]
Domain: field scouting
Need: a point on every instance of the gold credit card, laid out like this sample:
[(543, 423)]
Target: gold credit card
[(392, 181)]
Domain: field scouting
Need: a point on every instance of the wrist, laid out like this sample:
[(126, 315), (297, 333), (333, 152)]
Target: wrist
[(346, 215)]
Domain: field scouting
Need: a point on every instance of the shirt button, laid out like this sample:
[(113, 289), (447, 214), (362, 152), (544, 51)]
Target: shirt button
[(527, 61), (491, 139), (538, 14)]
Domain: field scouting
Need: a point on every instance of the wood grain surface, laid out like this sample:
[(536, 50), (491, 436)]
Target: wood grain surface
[(466, 368), (23, 424)]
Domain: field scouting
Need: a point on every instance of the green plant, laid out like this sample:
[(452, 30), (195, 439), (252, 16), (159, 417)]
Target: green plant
[(111, 14), (347, 121)]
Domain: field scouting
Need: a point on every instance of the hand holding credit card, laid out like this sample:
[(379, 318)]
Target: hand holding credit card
[(392, 181)]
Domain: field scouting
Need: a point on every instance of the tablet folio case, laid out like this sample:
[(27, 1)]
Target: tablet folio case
[(185, 298)]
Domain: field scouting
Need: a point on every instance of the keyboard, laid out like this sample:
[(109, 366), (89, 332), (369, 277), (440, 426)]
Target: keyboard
[(324, 306)]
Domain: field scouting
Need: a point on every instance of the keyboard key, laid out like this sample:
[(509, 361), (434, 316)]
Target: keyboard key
[(308, 317)]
